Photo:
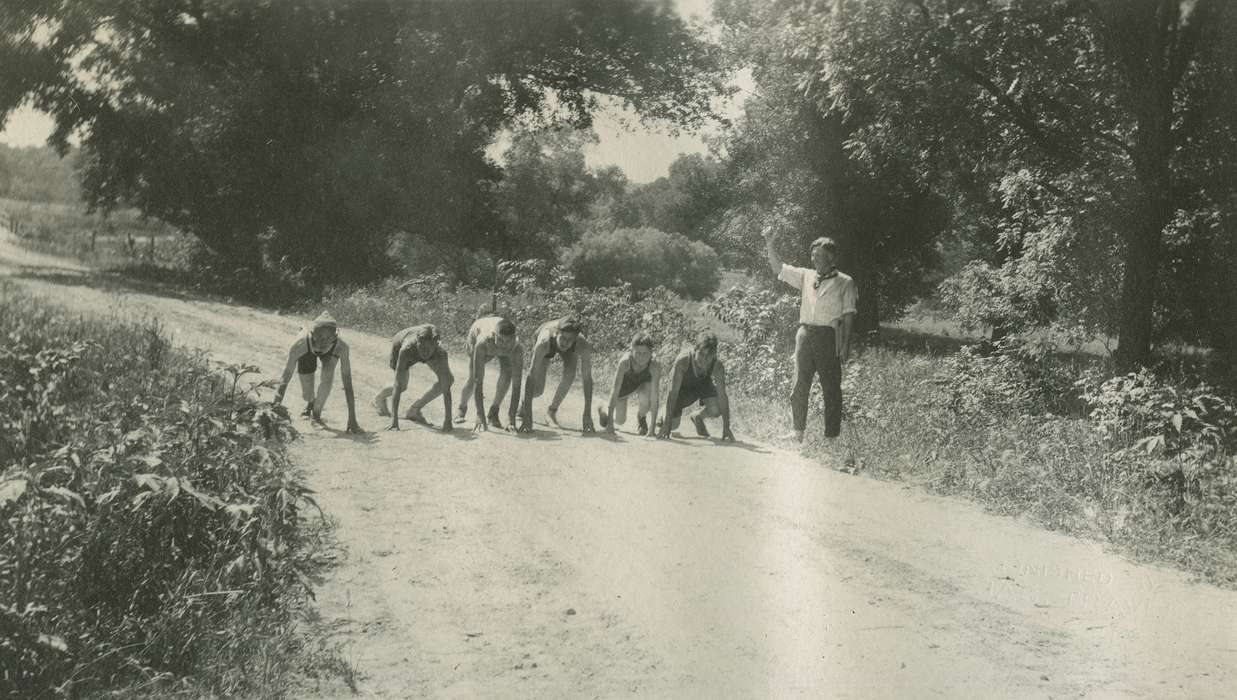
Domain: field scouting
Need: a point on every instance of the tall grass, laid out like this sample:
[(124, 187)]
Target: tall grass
[(154, 538)]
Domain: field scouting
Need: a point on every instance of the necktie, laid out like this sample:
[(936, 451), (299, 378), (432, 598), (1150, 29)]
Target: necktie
[(821, 278)]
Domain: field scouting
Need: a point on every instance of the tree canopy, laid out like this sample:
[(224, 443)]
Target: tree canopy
[(307, 132), (1072, 136)]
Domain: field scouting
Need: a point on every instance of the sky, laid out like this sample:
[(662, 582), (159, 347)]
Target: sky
[(643, 152)]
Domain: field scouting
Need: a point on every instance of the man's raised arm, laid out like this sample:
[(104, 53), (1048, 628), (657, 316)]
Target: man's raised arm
[(775, 262)]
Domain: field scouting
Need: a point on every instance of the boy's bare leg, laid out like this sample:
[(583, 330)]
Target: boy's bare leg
[(382, 400), (711, 409), (325, 380), (564, 385), (620, 411), (500, 391), (644, 405), (469, 384), (307, 392)]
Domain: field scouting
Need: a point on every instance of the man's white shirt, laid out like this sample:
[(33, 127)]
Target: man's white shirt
[(823, 306)]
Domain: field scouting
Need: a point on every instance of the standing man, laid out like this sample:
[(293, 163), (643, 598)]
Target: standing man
[(319, 344), (492, 337), (408, 347), (698, 376), (563, 337), (826, 319)]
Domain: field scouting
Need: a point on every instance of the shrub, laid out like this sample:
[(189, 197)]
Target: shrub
[(645, 258), (150, 525), (981, 296), (1009, 378)]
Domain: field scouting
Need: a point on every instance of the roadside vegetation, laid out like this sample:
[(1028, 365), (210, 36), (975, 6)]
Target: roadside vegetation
[(154, 538), (1005, 165)]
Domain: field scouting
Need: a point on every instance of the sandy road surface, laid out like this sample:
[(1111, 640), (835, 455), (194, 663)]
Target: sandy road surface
[(563, 565)]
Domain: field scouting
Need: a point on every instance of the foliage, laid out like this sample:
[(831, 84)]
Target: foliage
[(38, 174), (1178, 440), (1108, 106), (150, 524), (980, 296), (689, 200), (546, 190), (1009, 379), (310, 132), (1159, 416), (762, 361), (645, 258), (610, 315), (790, 166)]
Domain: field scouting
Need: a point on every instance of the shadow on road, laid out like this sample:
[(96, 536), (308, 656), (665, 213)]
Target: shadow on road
[(750, 447)]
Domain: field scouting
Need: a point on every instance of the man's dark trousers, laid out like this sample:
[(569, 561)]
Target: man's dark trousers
[(816, 352)]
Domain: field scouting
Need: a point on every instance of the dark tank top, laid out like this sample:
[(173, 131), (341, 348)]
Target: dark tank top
[(694, 381), (633, 380)]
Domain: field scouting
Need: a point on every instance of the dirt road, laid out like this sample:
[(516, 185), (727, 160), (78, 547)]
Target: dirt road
[(563, 565)]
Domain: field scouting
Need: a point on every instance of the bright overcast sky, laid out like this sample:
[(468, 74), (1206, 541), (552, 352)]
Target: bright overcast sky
[(644, 153)]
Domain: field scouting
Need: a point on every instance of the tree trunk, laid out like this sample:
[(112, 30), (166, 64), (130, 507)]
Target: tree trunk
[(1142, 247), (1153, 209), (831, 166)]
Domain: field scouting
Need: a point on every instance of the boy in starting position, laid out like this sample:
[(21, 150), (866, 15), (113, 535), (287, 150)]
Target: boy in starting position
[(698, 376), (319, 345), (637, 373), (408, 347)]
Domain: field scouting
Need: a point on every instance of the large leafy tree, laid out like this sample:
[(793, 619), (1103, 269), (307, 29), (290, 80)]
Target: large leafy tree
[(310, 131), (788, 160), (1071, 134)]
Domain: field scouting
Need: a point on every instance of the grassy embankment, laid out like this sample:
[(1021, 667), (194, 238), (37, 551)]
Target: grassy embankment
[(1140, 464), (154, 538)]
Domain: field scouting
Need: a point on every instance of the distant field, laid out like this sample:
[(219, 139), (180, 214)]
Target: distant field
[(120, 238)]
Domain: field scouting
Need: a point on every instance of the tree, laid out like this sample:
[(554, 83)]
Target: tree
[(789, 162), (689, 200), (547, 189), (1102, 106), (317, 129)]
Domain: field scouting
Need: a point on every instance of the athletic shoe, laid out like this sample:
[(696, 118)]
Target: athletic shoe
[(602, 419), (492, 417), (698, 421), (644, 426)]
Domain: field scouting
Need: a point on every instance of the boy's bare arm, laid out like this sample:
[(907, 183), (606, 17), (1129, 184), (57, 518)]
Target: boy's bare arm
[(723, 400), (676, 381), (294, 355), (345, 370)]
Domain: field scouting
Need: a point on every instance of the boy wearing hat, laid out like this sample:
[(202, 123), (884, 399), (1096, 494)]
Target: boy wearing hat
[(317, 345)]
